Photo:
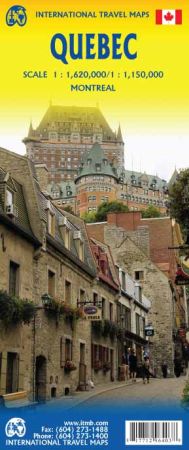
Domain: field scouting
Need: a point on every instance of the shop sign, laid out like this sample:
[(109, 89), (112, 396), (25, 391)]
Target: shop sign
[(92, 313)]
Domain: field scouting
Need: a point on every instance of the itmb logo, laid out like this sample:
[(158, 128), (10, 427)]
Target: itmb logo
[(15, 426), (16, 15)]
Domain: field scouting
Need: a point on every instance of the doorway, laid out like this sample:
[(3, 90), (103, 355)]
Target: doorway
[(40, 378), (82, 366), (12, 372)]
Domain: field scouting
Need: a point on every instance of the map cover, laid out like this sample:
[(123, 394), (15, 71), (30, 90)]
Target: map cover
[(94, 199)]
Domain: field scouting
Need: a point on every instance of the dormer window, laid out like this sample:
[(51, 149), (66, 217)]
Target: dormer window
[(10, 208), (79, 244), (50, 219), (9, 197), (65, 231), (98, 167), (51, 223), (123, 281), (103, 263)]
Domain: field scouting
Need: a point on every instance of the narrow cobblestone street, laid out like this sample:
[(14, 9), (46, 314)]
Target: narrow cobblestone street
[(166, 391)]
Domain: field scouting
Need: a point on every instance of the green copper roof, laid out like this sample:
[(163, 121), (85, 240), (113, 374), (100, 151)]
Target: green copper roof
[(96, 163), (132, 177)]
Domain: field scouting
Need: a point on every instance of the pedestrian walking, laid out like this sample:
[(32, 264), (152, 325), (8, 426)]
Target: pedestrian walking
[(133, 365), (146, 370), (126, 364)]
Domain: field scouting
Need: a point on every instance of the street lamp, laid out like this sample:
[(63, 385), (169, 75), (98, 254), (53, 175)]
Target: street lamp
[(46, 299)]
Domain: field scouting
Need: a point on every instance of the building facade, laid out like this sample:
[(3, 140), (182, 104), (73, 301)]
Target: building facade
[(50, 269), (104, 332), (131, 251), (65, 134), (62, 141), (17, 248), (133, 308), (100, 181), (51, 356)]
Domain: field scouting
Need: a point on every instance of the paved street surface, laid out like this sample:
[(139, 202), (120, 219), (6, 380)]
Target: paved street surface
[(166, 392), (158, 391)]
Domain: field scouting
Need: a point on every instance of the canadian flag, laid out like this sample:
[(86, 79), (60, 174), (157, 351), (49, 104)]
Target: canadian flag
[(168, 16)]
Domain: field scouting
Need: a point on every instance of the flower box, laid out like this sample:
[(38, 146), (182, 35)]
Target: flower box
[(106, 366), (69, 366), (97, 365)]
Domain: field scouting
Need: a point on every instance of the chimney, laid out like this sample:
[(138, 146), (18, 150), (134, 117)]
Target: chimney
[(42, 176)]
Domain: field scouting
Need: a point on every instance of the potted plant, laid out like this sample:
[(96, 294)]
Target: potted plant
[(69, 366), (97, 365), (106, 366)]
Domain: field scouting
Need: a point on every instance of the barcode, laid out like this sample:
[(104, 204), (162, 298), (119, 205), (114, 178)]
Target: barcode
[(153, 432)]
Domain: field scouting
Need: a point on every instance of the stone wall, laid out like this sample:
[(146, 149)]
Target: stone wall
[(155, 287), (17, 339)]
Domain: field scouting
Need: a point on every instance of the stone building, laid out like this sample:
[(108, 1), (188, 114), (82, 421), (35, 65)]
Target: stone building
[(139, 190), (96, 181), (164, 241), (131, 251), (64, 138), (17, 249), (99, 181), (65, 134), (47, 258), (104, 332), (57, 269), (132, 316)]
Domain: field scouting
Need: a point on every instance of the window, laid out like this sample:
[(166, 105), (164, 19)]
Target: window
[(98, 167), (128, 319), (138, 324), (94, 354), (65, 350), (139, 275), (95, 298), (103, 264), (51, 283), (103, 308), (68, 349), (143, 326), (67, 292), (65, 233), (9, 198), (124, 317), (123, 281), (53, 136), (51, 223), (81, 250), (14, 278), (82, 295), (111, 310)]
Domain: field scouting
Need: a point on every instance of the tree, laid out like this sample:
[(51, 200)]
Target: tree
[(151, 211), (179, 201), (107, 207), (89, 217)]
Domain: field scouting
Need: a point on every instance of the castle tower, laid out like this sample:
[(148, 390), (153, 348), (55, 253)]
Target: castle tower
[(96, 181), (65, 134)]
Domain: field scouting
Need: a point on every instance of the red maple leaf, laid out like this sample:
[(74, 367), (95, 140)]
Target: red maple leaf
[(169, 17)]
